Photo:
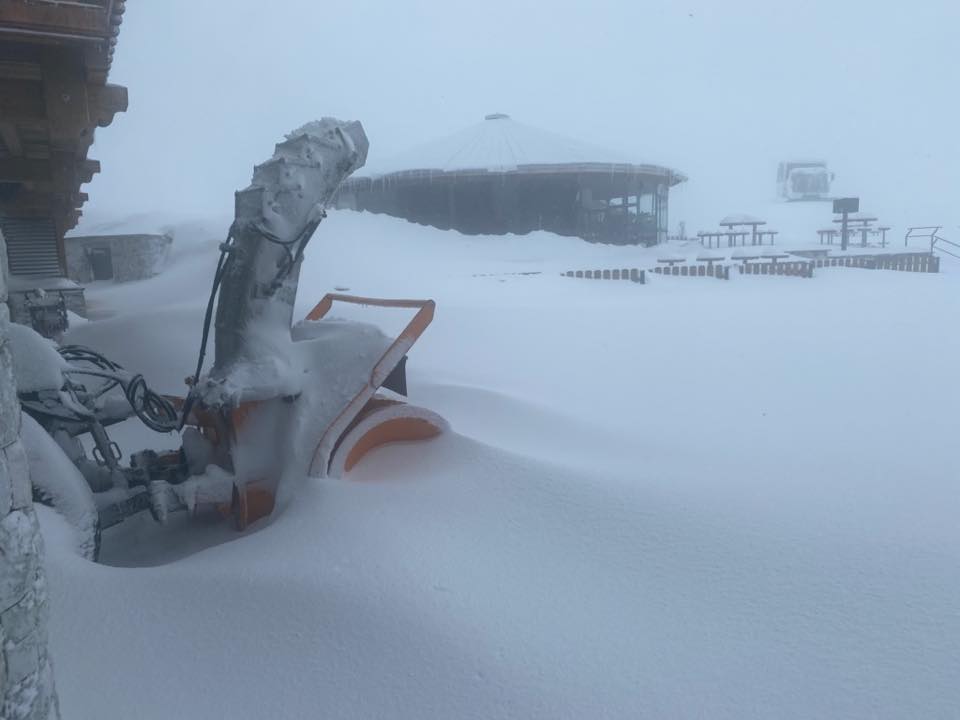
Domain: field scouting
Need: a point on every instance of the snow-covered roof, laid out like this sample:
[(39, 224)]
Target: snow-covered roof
[(500, 144)]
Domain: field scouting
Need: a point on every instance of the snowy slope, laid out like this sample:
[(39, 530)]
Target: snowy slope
[(692, 498)]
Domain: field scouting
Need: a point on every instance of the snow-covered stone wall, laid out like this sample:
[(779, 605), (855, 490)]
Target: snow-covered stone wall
[(26, 674), (124, 257)]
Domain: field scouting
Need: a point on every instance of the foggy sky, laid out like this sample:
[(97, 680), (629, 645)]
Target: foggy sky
[(721, 90)]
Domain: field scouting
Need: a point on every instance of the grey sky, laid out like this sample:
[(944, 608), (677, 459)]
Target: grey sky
[(720, 90)]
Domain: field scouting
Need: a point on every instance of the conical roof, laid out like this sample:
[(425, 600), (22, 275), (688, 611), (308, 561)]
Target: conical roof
[(499, 144)]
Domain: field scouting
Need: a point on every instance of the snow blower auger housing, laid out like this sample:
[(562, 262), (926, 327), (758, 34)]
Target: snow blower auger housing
[(326, 428), (280, 400)]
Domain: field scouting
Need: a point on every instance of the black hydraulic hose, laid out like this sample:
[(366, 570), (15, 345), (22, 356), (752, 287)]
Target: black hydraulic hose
[(155, 411), (222, 264)]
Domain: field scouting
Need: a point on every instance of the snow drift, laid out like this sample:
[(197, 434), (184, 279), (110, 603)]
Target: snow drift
[(691, 498)]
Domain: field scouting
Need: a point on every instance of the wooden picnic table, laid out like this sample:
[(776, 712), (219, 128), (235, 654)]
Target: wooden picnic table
[(864, 226), (857, 219), (710, 237), (827, 234), (882, 231), (732, 236), (752, 223)]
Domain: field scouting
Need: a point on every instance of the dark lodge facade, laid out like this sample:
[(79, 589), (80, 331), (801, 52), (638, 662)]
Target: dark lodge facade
[(605, 202), (54, 61)]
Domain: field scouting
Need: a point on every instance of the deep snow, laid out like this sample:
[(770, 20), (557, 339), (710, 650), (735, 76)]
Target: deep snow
[(692, 498)]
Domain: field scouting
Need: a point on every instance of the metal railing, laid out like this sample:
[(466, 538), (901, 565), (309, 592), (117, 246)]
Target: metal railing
[(931, 234)]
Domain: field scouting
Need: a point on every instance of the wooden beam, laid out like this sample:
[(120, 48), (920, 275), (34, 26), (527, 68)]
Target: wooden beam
[(55, 19), (44, 199), (65, 96), (24, 170), (11, 138), (65, 173), (19, 52), (69, 223), (14, 70), (97, 58), (22, 101), (87, 169), (105, 102)]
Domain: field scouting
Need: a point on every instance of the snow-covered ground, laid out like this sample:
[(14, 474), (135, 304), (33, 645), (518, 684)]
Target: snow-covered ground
[(691, 498)]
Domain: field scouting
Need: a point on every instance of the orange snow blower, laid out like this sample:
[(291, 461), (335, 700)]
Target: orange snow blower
[(281, 400), (370, 412)]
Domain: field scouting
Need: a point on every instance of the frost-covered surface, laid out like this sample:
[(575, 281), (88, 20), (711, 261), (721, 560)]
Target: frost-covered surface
[(691, 498), (36, 363), (740, 219), (258, 280), (498, 144), (62, 483), (21, 284), (338, 357)]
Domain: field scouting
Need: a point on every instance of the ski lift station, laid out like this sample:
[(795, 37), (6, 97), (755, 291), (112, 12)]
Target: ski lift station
[(500, 176)]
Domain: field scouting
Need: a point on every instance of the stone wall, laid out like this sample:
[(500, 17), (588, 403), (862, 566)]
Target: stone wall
[(133, 257), (26, 674)]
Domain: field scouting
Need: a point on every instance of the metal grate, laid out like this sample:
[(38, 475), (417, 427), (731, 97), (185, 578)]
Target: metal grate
[(31, 247)]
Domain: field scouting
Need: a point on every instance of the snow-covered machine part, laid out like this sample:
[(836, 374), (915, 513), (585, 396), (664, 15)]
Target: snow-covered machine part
[(369, 419), (279, 402), (804, 180), (275, 219)]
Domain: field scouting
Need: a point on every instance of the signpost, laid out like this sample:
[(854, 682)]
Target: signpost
[(845, 206)]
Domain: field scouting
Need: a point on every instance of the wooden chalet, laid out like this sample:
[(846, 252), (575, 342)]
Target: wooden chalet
[(54, 61)]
